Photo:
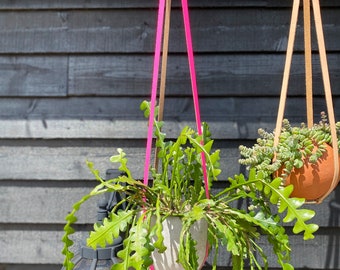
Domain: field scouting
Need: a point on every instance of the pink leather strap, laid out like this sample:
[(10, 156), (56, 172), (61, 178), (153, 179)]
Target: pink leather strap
[(190, 53), (188, 37), (156, 62)]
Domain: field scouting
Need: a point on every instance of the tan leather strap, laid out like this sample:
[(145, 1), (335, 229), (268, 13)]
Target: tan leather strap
[(309, 78), (308, 62), (165, 52), (164, 59), (286, 72), (328, 93)]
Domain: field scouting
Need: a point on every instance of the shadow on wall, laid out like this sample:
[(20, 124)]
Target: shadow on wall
[(333, 250)]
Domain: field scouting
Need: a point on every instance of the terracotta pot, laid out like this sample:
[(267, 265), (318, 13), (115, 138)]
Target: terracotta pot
[(312, 181), (171, 230)]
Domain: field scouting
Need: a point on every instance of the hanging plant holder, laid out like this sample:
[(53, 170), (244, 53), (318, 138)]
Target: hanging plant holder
[(312, 181), (172, 226)]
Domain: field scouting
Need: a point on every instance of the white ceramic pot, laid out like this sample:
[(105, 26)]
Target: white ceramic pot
[(171, 231)]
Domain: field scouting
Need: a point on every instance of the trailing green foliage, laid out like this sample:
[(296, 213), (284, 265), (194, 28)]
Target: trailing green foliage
[(177, 189)]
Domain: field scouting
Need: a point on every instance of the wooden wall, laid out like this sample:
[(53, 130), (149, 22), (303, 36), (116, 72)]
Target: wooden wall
[(72, 76)]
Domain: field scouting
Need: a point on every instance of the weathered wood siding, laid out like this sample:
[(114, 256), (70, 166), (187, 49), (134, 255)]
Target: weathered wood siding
[(72, 76)]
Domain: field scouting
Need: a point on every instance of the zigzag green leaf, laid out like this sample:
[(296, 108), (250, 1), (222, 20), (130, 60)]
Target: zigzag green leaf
[(110, 228), (159, 243), (68, 229), (137, 250), (291, 207), (188, 254), (227, 237)]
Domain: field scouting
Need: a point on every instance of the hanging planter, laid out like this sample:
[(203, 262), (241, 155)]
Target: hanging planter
[(172, 227), (313, 180), (305, 157)]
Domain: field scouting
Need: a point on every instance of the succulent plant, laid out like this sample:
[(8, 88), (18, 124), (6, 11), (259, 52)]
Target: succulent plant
[(296, 144)]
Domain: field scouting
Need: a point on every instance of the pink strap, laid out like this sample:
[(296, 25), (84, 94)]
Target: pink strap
[(194, 86), (155, 82), (159, 34)]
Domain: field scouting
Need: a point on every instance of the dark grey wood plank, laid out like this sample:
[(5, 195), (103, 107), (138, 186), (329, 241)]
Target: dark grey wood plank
[(177, 109), (96, 108), (229, 118), (130, 75), (82, 4), (37, 246), (44, 205), (35, 31), (31, 266), (67, 162), (217, 75), (33, 76), (129, 30)]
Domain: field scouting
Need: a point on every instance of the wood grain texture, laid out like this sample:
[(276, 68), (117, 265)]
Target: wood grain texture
[(67, 161), (54, 201), (132, 31), (217, 75), (33, 245), (33, 76), (83, 4), (129, 75), (117, 118), (216, 109)]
